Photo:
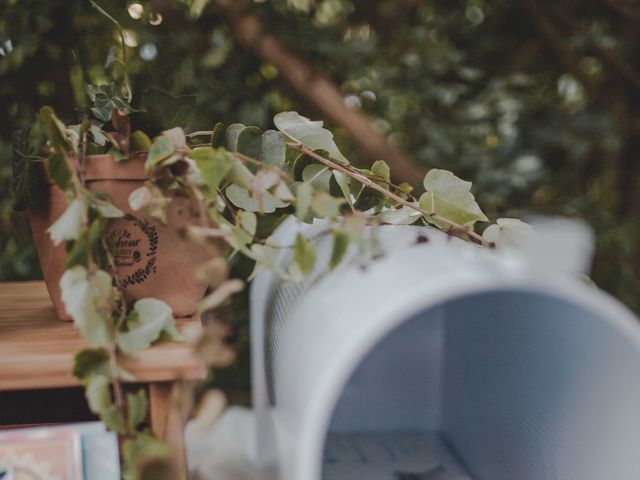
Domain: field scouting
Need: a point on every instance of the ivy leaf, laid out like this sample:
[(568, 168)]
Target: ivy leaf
[(304, 254), (70, 224), (105, 98), (249, 142), (508, 232), (98, 394), (399, 216), (326, 206), (218, 135), (214, 165), (241, 198), (56, 130), (273, 148), (137, 406), (59, 171), (340, 246), (309, 133), (150, 317), (450, 197), (304, 193), (89, 362), (161, 149), (89, 300), (169, 111)]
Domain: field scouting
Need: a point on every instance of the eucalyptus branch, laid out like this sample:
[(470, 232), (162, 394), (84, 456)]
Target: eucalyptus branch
[(456, 229)]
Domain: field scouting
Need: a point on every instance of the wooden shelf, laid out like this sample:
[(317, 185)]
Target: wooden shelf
[(37, 349)]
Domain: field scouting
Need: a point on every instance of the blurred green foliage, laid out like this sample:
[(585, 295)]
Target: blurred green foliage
[(535, 102)]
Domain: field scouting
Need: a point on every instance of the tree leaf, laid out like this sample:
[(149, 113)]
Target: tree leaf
[(149, 318), (249, 142), (70, 224), (450, 197), (340, 246), (273, 148), (304, 254), (309, 133), (161, 149), (137, 406), (508, 232), (241, 198)]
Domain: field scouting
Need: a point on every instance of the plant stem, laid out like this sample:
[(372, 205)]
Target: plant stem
[(456, 228)]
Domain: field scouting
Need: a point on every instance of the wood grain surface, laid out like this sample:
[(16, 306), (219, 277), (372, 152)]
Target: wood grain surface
[(37, 349)]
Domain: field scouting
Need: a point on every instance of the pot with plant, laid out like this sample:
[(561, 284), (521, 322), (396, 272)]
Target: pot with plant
[(173, 205)]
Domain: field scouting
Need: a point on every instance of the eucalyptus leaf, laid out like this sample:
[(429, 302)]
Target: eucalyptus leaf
[(98, 394), (249, 142), (218, 135), (233, 131), (399, 216), (241, 198), (326, 206), (309, 133), (450, 197), (273, 148), (304, 193), (318, 176)]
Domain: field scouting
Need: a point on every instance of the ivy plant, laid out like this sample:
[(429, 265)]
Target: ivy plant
[(244, 182)]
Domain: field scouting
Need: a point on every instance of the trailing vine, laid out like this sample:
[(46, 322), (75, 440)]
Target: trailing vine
[(243, 183)]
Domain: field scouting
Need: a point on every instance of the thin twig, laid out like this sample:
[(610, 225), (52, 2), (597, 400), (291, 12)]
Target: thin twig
[(456, 228)]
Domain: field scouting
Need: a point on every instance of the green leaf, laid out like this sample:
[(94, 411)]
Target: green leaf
[(70, 224), (304, 254), (240, 174), (508, 232), (304, 193), (161, 149), (140, 142), (112, 419), (249, 142), (309, 133), (89, 300), (233, 131), (326, 206), (56, 130), (169, 111), (450, 197), (77, 253), (105, 98), (273, 148), (241, 198), (90, 362), (149, 318), (98, 394), (340, 246), (301, 162), (342, 182), (381, 169), (399, 216), (137, 406), (214, 165), (218, 135), (318, 176)]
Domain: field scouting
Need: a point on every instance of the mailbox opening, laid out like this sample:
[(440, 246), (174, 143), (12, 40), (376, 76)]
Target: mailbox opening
[(493, 385)]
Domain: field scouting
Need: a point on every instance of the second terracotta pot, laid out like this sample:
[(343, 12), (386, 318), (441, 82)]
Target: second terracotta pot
[(152, 259)]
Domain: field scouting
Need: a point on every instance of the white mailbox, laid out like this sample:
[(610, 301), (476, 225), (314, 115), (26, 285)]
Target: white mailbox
[(442, 360)]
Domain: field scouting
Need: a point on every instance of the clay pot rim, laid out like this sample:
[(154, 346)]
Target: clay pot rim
[(103, 167)]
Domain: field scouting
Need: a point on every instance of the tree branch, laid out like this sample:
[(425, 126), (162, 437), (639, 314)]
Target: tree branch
[(319, 91)]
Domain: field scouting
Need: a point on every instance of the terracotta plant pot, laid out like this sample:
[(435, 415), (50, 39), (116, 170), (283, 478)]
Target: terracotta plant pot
[(152, 259)]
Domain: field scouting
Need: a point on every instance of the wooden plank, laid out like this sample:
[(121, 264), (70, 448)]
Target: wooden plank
[(37, 349)]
